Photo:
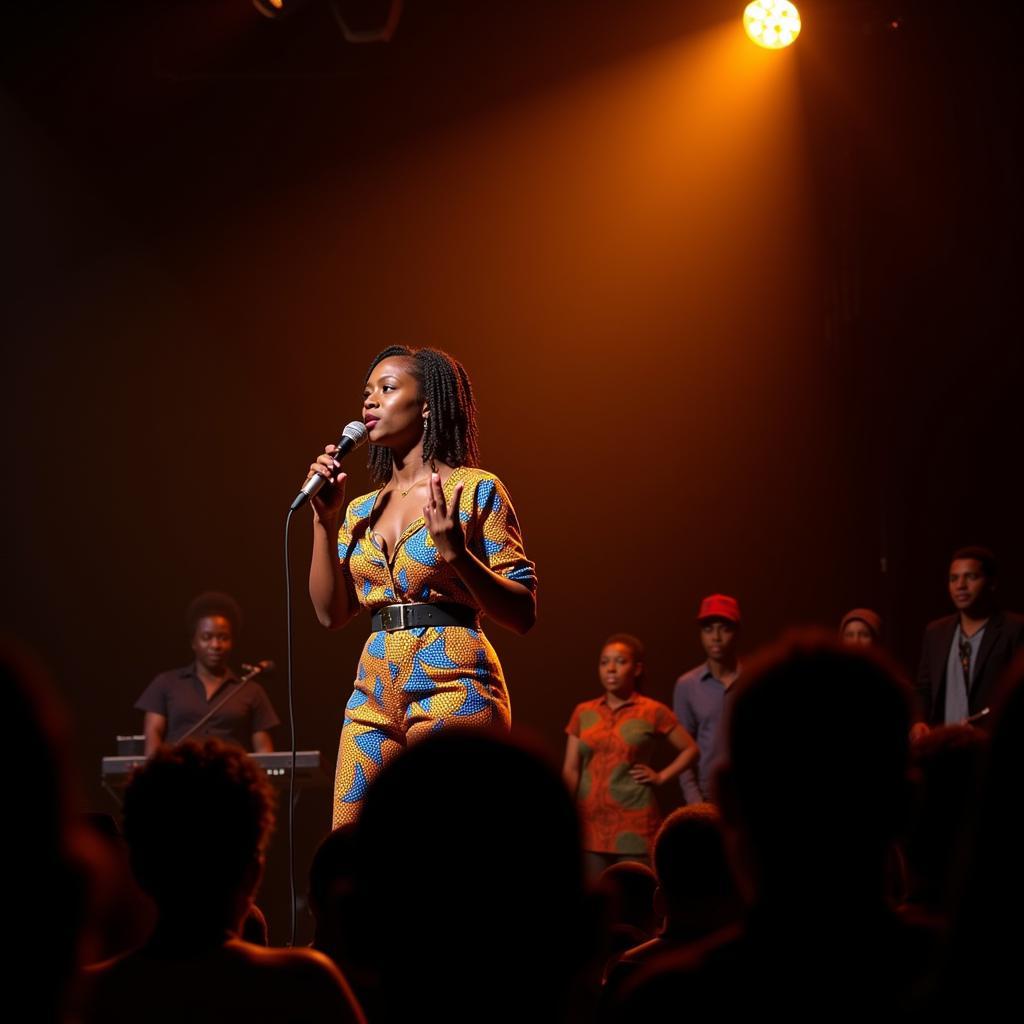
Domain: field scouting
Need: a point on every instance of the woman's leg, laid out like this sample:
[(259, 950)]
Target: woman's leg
[(371, 737), (456, 683), (362, 752)]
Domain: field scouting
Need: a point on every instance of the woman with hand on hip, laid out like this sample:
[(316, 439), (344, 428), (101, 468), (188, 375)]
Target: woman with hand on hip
[(610, 743)]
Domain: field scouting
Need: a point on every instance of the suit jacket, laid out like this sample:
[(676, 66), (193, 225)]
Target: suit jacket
[(1004, 636)]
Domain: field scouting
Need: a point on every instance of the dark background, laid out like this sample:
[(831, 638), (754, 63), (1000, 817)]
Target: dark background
[(737, 321)]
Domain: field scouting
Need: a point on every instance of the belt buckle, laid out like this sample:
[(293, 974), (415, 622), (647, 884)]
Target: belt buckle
[(387, 620)]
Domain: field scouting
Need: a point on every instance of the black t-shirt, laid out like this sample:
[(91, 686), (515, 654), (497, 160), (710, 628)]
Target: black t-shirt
[(180, 697)]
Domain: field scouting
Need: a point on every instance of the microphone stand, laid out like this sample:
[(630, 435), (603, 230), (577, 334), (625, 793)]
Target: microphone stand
[(254, 671)]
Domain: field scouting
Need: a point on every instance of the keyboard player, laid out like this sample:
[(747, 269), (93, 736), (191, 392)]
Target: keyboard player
[(176, 700)]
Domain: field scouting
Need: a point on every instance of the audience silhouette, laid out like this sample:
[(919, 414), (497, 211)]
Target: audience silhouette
[(470, 894), (812, 799), (196, 819)]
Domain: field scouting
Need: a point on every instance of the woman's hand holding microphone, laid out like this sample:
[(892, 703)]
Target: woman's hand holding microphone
[(329, 502)]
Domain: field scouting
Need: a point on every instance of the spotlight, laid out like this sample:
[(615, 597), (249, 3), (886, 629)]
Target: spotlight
[(772, 24), (272, 8)]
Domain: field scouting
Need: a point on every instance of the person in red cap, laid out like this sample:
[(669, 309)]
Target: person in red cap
[(699, 696)]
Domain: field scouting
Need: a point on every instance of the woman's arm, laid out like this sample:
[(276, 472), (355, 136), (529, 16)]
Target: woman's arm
[(330, 586), (571, 767), (688, 753), (509, 603)]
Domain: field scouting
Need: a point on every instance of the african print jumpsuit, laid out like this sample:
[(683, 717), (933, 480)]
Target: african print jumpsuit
[(412, 682)]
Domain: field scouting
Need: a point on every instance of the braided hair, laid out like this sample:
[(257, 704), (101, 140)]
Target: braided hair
[(450, 431)]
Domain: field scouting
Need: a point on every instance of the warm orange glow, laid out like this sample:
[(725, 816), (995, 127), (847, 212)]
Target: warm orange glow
[(269, 8), (772, 24)]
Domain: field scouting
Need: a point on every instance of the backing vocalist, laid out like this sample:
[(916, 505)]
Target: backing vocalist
[(432, 550)]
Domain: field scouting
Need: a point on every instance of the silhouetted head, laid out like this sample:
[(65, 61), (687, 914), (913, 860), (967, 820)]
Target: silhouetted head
[(948, 762), (630, 887), (1000, 837), (197, 818), (690, 862), (38, 735), (332, 879), (332, 870), (45, 895), (816, 774), (985, 939), (467, 843)]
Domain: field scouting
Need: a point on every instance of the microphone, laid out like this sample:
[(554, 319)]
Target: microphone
[(352, 437), (260, 668)]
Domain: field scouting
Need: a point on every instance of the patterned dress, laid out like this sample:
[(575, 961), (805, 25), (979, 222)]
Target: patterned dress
[(412, 682), (619, 814)]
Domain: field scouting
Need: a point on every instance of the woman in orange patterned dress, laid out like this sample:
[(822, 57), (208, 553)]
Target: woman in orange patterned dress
[(610, 741), (433, 549)]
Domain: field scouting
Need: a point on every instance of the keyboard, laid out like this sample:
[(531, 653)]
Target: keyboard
[(115, 770)]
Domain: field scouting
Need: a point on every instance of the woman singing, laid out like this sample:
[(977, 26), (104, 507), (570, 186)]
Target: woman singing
[(429, 552)]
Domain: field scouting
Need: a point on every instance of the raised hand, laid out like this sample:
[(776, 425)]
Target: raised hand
[(444, 525)]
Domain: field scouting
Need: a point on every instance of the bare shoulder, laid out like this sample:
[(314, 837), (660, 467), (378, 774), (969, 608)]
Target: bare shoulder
[(323, 989), (300, 961), (239, 981)]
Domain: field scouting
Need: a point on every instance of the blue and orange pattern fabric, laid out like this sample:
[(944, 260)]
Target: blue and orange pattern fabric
[(619, 814), (412, 682)]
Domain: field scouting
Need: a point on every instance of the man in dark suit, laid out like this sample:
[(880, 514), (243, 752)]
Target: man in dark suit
[(964, 654)]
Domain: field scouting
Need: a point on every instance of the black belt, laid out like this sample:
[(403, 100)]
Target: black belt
[(393, 617)]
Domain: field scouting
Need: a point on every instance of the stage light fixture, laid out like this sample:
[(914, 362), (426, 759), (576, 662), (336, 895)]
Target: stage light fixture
[(772, 24), (270, 8)]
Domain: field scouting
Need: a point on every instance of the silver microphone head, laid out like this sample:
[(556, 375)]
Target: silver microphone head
[(356, 432)]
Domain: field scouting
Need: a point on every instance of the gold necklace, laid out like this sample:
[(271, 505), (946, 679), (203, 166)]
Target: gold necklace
[(433, 469)]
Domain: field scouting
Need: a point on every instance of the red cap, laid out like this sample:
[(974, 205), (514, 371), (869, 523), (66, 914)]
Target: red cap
[(719, 606)]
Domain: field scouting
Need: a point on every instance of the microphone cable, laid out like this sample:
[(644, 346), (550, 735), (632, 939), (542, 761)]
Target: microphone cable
[(352, 436), (291, 725)]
